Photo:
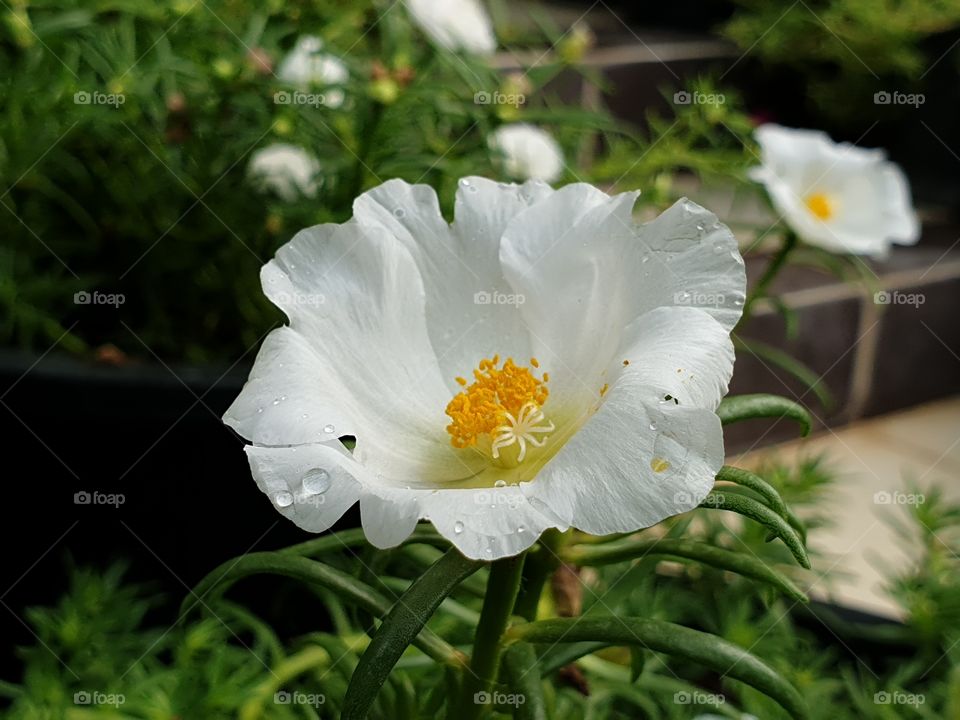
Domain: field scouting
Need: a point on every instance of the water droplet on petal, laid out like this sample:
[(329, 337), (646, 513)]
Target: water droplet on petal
[(329, 429), (283, 499), (259, 410), (700, 227), (399, 212), (521, 529), (653, 426), (500, 483), (458, 527), (316, 481)]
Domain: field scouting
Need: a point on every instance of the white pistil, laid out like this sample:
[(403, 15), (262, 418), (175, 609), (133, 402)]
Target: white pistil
[(522, 429)]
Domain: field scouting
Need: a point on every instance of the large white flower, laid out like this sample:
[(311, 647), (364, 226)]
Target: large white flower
[(307, 66), (287, 170), (836, 195), (527, 152), (455, 24), (541, 362)]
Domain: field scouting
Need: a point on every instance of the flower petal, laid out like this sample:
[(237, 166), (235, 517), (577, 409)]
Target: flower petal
[(363, 359), (283, 474), (471, 309), (638, 460)]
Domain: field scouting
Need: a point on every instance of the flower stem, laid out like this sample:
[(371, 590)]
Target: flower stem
[(502, 589), (773, 269), (540, 564)]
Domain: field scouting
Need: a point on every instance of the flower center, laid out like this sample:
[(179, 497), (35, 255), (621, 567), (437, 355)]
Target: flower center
[(499, 413), (820, 205)]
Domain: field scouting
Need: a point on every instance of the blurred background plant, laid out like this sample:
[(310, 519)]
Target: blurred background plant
[(133, 137), (115, 639)]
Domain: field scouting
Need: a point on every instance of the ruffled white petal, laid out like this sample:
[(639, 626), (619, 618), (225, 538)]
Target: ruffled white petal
[(355, 296), (280, 474), (638, 460), (471, 309)]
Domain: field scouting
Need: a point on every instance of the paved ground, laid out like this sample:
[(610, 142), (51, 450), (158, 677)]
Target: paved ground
[(877, 460)]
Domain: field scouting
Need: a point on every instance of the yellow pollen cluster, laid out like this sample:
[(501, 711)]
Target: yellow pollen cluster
[(819, 204), (496, 395)]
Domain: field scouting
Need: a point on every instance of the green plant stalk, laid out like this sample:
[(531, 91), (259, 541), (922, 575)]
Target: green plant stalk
[(502, 590), (773, 269), (539, 565)]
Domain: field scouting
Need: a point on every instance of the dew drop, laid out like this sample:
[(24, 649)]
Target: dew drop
[(700, 227), (305, 416), (329, 429), (500, 483), (718, 248), (653, 426), (521, 529), (458, 527), (259, 410), (399, 212), (283, 499), (276, 401), (316, 481)]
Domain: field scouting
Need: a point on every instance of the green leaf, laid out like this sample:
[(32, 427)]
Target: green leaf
[(762, 514), (760, 486), (523, 678), (740, 563), (315, 573), (745, 407), (685, 643), (770, 354), (400, 628)]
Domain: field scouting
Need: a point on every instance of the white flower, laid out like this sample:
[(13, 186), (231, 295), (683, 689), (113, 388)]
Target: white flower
[(306, 66), (455, 24), (541, 362), (527, 152), (287, 170), (835, 195)]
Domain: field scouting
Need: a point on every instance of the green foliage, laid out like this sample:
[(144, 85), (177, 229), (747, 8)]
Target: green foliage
[(845, 50), (149, 197), (226, 663)]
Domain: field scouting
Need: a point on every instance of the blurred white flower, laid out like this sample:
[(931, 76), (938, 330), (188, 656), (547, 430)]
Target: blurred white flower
[(455, 24), (599, 412), (307, 66), (528, 152), (287, 170), (835, 195)]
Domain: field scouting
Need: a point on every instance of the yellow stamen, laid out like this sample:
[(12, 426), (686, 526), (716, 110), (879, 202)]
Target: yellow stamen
[(820, 205), (501, 406)]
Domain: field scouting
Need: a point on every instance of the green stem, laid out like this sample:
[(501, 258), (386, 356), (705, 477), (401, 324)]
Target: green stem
[(539, 565), (502, 589), (773, 269)]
